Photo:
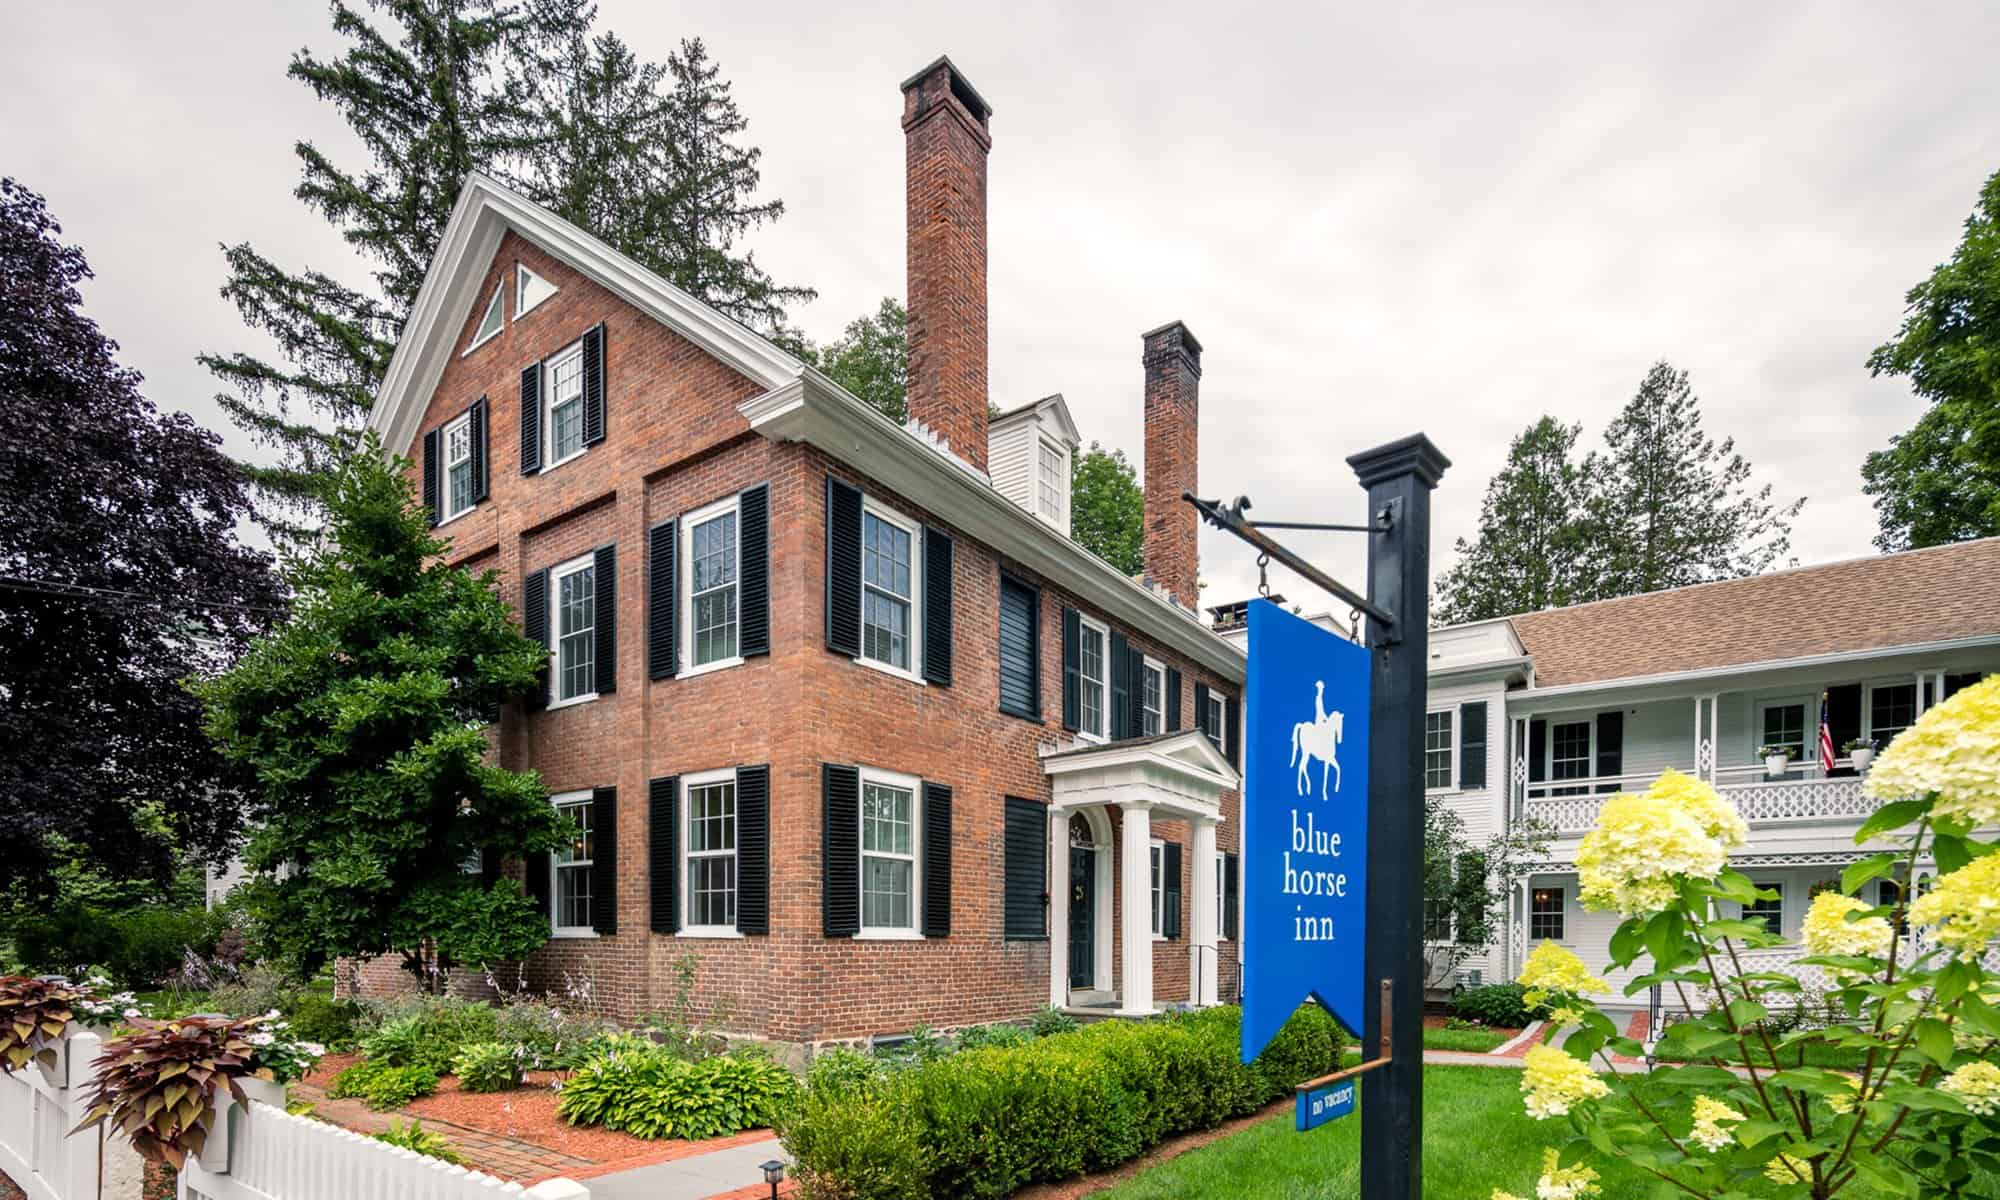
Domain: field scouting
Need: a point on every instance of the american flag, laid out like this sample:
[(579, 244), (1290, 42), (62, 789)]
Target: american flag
[(1825, 739)]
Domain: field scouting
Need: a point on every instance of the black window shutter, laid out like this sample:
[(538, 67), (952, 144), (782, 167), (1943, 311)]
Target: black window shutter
[(840, 850), (1232, 736), (1173, 700), (1610, 746), (432, 502), (753, 559), (1472, 745), (662, 600), (1170, 890), (937, 606), (593, 385), (1201, 708), (1120, 724), (604, 860), (538, 866), (475, 427), (753, 849), (937, 860), (1229, 869), (1538, 744), (1135, 670), (531, 418), (1020, 649), (1072, 683), (535, 625), (1024, 898), (843, 569), (663, 837), (604, 585)]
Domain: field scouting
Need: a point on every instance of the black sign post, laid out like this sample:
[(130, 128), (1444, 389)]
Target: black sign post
[(1399, 478)]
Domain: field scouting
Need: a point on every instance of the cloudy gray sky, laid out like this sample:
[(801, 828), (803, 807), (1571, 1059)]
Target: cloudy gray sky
[(1378, 219)]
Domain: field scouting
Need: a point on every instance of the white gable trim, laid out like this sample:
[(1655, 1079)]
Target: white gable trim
[(1182, 774), (486, 210)]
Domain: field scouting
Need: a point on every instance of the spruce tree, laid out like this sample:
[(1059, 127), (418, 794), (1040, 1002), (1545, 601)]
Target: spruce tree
[(1534, 549), (1675, 506)]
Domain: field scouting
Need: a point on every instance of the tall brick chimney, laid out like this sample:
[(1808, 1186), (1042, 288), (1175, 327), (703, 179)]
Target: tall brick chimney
[(945, 143), (1173, 421)]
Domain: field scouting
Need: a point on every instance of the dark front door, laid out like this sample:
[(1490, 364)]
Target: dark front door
[(1082, 908)]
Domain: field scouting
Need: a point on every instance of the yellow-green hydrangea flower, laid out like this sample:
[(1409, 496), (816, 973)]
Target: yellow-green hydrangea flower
[(1553, 970), (1952, 750), (1787, 1169), (1640, 844), (1718, 817), (1500, 1195), (1828, 931), (1842, 1105), (1977, 1086), (1564, 1183), (1709, 1114), (1554, 1082), (1963, 907)]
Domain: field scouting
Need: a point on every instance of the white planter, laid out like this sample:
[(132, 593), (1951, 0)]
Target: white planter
[(1862, 757), (1775, 764)]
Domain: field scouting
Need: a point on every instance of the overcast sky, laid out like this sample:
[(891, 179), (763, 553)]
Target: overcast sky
[(1446, 218)]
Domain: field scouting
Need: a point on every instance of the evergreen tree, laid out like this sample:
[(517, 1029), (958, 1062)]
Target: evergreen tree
[(1534, 549), (1940, 481), (871, 358), (362, 720), (1674, 506), (1107, 508), (120, 576)]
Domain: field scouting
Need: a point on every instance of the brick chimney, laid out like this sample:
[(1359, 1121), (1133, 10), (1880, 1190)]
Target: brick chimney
[(945, 143), (1173, 421)]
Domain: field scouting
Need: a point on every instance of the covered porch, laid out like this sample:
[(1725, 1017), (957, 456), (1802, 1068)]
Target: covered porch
[(1132, 849)]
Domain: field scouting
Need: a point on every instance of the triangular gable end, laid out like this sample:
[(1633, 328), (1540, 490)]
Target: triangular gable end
[(531, 290)]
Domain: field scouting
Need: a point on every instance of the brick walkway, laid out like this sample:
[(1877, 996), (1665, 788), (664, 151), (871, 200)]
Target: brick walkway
[(509, 1158)]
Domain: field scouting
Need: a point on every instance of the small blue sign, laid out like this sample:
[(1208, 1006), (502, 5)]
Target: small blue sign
[(1329, 1103), (1305, 824)]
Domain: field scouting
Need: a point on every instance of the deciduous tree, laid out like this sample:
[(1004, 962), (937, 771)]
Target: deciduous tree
[(1107, 509), (871, 358)]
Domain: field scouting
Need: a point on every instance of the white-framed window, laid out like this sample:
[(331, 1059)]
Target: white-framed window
[(1159, 856), (562, 391), (530, 290), (1771, 912), (1440, 751), (889, 841), (1221, 898), (458, 467), (1215, 722), (491, 322), (708, 830), (1569, 755), (1892, 708), (710, 545), (1051, 483), (569, 867), (573, 620), (1093, 677), (1545, 914), (1152, 698), (1790, 723), (891, 573)]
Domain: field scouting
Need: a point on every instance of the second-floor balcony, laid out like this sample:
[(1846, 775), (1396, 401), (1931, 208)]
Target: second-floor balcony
[(1800, 795)]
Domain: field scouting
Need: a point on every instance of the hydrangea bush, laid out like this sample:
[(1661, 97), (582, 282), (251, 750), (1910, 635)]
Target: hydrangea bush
[(1751, 1112)]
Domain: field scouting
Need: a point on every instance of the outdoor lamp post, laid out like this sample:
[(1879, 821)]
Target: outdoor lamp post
[(774, 1174)]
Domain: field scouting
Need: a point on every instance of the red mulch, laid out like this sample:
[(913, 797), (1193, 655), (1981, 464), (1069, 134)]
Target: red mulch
[(329, 1066), (1441, 1021)]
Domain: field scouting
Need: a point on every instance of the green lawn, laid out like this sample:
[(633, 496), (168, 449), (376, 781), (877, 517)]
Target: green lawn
[(1468, 1041), (1476, 1138)]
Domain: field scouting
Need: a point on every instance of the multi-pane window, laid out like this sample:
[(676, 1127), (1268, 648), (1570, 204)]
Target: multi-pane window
[(1050, 484), (1891, 710), (712, 546), (566, 405), (574, 596), (1785, 729), (1159, 889), (1215, 721), (1437, 920), (1771, 912), (1090, 660), (1569, 755), (886, 581), (1152, 698), (1437, 751), (711, 854), (888, 856), (457, 467), (572, 862), (1545, 914)]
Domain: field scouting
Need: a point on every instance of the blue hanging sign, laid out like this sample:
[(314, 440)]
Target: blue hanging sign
[(1329, 1103), (1305, 824)]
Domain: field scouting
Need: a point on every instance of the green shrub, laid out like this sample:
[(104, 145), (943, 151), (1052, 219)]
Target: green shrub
[(488, 1067), (430, 1033), (384, 1085), (855, 1147), (415, 1137), (554, 1039), (978, 1037), (652, 1092), (138, 946), (841, 1072), (318, 1017), (1498, 1005), (1051, 1021)]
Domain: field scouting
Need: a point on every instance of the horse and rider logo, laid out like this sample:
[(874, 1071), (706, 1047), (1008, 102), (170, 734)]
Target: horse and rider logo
[(1318, 738)]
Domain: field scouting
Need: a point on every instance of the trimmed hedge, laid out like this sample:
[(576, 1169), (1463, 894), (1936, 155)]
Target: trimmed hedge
[(1499, 1005), (988, 1121)]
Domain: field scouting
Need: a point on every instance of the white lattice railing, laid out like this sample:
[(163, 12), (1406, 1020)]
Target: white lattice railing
[(1768, 803)]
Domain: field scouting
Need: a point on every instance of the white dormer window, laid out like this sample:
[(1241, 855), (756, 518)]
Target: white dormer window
[(530, 290), (490, 324), (1050, 485)]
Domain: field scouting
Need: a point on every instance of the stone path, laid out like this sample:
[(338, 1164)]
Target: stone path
[(508, 1157)]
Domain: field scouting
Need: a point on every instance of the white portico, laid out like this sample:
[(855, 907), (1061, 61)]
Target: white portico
[(1120, 790)]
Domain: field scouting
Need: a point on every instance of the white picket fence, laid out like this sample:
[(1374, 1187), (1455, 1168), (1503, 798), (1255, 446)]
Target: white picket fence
[(255, 1152)]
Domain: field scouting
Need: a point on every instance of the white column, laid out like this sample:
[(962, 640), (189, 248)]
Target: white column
[(1135, 933), (1203, 987), (1058, 885)]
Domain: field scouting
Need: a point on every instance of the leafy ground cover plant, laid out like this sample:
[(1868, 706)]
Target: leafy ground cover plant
[(415, 1137), (1913, 992), (382, 1084), (34, 1013), (488, 1067), (651, 1091), (158, 1085)]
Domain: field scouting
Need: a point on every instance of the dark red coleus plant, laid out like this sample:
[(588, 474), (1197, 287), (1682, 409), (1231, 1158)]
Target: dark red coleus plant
[(33, 1015), (158, 1085)]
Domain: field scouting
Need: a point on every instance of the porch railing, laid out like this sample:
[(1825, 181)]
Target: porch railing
[(1762, 802)]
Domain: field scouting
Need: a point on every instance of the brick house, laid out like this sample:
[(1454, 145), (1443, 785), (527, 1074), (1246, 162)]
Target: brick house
[(845, 712)]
